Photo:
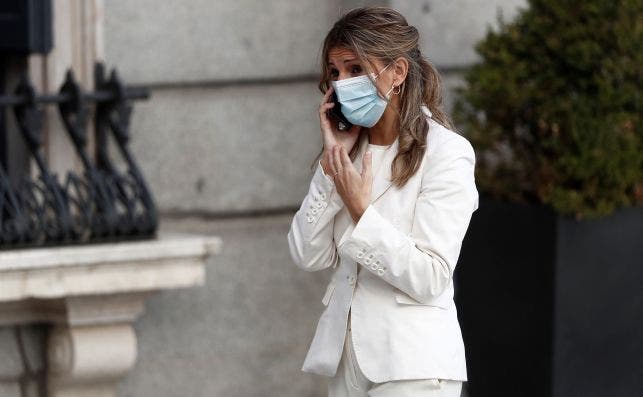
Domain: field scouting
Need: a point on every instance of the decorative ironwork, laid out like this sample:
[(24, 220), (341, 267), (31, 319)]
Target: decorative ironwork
[(101, 203)]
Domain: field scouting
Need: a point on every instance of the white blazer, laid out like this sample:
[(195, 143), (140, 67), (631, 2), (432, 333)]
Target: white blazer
[(403, 318)]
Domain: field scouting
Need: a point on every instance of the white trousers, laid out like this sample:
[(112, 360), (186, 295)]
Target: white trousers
[(351, 382)]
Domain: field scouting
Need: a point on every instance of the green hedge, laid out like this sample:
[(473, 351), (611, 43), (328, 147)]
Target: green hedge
[(554, 107)]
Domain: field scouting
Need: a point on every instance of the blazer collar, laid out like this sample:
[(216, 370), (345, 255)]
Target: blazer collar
[(382, 178)]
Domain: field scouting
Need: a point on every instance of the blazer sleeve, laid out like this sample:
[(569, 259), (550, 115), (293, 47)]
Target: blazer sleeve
[(422, 264), (310, 238)]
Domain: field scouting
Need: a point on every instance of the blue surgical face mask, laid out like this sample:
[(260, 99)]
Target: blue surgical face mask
[(361, 103)]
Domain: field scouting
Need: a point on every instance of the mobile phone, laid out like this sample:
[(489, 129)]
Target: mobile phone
[(336, 112)]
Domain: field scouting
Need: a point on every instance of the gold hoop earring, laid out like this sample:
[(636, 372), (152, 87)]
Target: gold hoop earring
[(398, 90)]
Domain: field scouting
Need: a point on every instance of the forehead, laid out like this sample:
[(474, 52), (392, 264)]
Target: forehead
[(340, 54)]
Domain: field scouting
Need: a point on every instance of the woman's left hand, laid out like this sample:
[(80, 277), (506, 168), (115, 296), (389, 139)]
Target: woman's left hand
[(354, 188)]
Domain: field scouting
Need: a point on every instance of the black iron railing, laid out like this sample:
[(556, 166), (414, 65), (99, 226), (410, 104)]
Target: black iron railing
[(101, 203)]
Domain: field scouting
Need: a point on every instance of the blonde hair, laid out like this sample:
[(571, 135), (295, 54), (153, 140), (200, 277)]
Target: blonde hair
[(384, 34)]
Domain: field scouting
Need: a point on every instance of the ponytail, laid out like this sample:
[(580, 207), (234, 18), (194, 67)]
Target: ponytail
[(432, 92)]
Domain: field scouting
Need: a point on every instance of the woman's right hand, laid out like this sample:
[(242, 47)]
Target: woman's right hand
[(331, 136)]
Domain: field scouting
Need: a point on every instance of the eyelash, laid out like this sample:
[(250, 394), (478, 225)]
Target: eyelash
[(354, 70)]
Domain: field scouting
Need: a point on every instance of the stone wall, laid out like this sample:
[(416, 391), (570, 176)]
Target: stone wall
[(233, 85)]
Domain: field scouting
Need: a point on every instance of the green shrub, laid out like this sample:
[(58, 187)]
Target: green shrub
[(554, 107)]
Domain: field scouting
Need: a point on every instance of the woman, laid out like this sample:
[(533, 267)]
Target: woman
[(387, 209)]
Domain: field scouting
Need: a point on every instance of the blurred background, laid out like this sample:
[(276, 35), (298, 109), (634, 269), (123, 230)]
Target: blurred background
[(225, 142)]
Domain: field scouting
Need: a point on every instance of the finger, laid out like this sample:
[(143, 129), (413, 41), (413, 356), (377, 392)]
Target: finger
[(329, 161), (324, 108), (323, 112), (367, 164), (327, 95), (323, 116), (337, 158), (346, 161)]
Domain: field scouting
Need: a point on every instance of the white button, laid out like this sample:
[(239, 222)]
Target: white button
[(310, 219), (370, 256), (320, 204), (367, 261), (314, 211), (380, 271), (374, 267), (360, 254), (323, 196)]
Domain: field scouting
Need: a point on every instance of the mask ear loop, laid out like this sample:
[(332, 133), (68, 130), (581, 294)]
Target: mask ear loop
[(377, 76), (385, 67), (392, 87), (389, 91)]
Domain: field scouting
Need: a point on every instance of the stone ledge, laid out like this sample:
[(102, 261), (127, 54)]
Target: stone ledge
[(170, 261), (166, 246), (92, 294)]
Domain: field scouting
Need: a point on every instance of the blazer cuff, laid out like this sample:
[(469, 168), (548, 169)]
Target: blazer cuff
[(325, 184), (364, 244)]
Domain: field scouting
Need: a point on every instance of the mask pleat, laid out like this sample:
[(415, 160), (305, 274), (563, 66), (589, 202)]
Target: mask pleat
[(354, 92), (355, 104), (362, 111), (360, 101)]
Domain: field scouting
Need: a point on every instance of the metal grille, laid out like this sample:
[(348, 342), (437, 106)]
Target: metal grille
[(101, 203)]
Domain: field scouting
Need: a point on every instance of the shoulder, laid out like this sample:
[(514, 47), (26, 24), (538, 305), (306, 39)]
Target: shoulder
[(444, 144), (449, 167)]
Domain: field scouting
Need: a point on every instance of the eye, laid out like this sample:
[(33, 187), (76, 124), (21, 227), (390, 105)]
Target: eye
[(334, 73), (356, 69)]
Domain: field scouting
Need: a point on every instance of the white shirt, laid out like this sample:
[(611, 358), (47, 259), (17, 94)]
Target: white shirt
[(377, 153)]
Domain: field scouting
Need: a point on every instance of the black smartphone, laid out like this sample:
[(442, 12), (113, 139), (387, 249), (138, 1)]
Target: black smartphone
[(336, 111)]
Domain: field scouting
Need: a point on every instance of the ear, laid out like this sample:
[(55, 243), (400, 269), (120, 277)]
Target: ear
[(400, 70)]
